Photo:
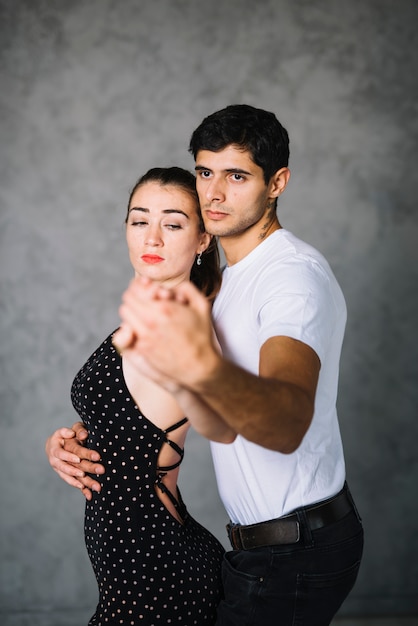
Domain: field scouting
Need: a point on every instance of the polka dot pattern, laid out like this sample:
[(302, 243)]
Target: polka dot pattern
[(150, 568)]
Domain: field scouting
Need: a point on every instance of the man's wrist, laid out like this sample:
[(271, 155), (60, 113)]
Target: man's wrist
[(205, 374)]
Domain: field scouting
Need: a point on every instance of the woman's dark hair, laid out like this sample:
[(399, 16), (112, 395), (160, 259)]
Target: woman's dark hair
[(255, 130), (206, 276)]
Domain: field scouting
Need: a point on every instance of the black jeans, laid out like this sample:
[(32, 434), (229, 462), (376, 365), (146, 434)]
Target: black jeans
[(302, 584)]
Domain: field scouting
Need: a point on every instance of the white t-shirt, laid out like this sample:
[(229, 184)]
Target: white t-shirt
[(284, 287)]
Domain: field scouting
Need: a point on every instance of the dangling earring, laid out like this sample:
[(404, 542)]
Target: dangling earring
[(199, 259)]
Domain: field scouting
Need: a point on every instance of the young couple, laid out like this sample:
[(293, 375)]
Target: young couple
[(262, 388)]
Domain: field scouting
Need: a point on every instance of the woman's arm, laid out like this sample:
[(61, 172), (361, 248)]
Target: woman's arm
[(203, 419)]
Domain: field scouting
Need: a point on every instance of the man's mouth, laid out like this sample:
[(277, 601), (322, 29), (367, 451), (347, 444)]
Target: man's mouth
[(215, 215)]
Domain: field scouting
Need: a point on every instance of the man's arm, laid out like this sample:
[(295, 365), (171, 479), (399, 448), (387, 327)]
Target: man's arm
[(72, 461), (273, 409)]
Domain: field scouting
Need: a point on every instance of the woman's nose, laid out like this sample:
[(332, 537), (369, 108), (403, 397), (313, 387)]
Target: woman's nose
[(153, 236)]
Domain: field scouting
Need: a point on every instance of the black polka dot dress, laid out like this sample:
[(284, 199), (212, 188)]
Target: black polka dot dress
[(150, 568)]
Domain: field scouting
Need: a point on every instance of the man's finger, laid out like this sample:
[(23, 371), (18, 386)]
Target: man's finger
[(91, 468), (90, 483), (87, 493), (71, 445), (80, 431)]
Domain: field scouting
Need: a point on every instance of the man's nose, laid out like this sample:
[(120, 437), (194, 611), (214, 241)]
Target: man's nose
[(215, 191)]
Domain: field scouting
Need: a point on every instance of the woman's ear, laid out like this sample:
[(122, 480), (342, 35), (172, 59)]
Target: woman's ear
[(278, 182), (205, 240)]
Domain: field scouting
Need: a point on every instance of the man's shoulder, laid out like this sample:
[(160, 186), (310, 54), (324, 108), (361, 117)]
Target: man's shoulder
[(290, 244)]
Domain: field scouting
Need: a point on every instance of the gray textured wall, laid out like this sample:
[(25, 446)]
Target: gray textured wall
[(92, 93)]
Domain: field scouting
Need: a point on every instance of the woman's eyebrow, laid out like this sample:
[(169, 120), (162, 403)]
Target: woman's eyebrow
[(166, 211), (176, 211)]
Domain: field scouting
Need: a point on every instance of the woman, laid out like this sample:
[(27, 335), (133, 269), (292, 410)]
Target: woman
[(153, 562)]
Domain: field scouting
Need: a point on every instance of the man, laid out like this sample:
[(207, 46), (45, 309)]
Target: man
[(280, 318)]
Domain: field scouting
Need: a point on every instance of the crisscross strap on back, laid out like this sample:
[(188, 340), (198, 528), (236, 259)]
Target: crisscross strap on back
[(163, 469)]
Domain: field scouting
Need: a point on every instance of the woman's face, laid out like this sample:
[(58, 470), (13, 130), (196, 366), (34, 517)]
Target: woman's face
[(163, 234)]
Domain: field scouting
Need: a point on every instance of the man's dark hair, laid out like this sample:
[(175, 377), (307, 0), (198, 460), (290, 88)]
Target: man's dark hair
[(242, 125)]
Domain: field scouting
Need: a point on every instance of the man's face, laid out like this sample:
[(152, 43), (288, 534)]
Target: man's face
[(232, 192)]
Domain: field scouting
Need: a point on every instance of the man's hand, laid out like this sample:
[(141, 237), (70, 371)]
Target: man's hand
[(72, 461)]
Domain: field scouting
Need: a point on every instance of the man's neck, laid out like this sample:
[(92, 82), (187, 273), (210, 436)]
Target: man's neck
[(236, 247)]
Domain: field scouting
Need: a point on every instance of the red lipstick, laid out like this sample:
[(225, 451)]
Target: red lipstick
[(151, 259)]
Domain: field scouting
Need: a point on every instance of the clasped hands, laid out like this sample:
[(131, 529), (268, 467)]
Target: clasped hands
[(165, 332)]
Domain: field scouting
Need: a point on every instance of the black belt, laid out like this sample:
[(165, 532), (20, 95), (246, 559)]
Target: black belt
[(286, 530)]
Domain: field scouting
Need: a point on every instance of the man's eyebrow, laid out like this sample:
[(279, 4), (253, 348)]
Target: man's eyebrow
[(228, 170), (166, 211)]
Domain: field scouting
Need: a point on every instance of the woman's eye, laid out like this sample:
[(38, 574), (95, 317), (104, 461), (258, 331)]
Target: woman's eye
[(173, 226), (138, 223)]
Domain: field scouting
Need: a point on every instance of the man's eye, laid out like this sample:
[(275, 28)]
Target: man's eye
[(237, 177)]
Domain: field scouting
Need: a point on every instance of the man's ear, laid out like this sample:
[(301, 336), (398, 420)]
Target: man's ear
[(278, 182)]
